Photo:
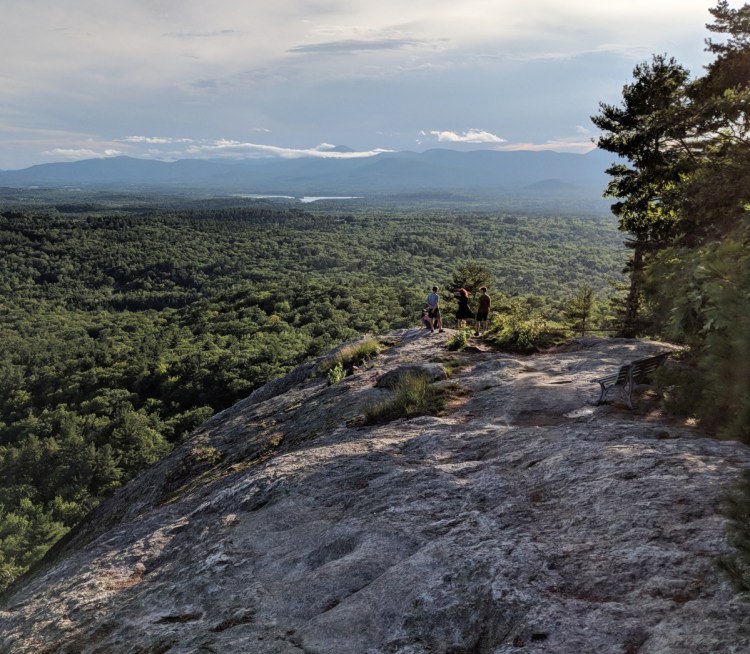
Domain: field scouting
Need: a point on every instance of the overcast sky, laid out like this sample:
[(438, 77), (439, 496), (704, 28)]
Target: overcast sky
[(170, 79)]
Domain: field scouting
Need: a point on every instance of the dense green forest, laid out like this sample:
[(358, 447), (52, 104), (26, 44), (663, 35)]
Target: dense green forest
[(122, 329)]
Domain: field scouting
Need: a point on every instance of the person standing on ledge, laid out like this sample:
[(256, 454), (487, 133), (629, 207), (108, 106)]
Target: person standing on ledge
[(433, 305), (483, 310), (464, 312)]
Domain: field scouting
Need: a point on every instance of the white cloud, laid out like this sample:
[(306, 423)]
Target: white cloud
[(75, 154), (154, 140), (555, 145), (469, 136), (239, 149)]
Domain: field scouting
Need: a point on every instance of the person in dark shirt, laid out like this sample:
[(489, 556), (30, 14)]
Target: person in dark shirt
[(483, 310), (464, 312)]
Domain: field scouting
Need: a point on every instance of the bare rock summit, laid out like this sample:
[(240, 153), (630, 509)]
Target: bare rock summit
[(520, 519)]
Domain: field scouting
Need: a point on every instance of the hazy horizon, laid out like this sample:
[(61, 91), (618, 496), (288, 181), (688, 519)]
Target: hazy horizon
[(166, 80)]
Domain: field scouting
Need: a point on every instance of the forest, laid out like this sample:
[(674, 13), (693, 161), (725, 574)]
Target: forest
[(124, 324)]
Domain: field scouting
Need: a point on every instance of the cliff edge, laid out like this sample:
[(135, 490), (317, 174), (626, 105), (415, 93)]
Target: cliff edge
[(520, 519)]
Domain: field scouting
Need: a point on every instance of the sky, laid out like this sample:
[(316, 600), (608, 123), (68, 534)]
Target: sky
[(175, 79)]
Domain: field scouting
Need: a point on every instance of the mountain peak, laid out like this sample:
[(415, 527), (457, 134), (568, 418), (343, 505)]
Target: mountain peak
[(520, 515)]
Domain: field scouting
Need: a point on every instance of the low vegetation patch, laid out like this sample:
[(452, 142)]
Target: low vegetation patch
[(336, 374), (458, 341), (413, 395), (524, 330), (341, 364)]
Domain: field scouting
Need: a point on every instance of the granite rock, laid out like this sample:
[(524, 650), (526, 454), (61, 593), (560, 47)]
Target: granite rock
[(523, 519)]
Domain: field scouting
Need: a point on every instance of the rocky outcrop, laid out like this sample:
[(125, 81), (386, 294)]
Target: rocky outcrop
[(523, 519)]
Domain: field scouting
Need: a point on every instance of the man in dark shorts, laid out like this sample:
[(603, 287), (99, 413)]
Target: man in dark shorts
[(482, 311), (433, 305)]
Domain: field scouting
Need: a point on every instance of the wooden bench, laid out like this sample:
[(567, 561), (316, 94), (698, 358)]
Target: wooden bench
[(630, 375)]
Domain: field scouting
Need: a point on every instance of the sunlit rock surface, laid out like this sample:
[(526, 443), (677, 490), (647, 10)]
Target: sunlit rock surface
[(522, 520)]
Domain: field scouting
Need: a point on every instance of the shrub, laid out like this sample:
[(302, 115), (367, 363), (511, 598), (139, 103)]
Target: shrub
[(521, 329), (354, 354), (336, 374), (458, 341), (413, 395)]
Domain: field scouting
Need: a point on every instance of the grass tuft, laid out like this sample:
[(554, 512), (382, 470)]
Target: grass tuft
[(412, 396), (458, 341), (349, 356)]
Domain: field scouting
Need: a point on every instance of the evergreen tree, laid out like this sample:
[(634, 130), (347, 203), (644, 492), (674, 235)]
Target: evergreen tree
[(472, 276), (685, 201), (650, 131), (580, 309)]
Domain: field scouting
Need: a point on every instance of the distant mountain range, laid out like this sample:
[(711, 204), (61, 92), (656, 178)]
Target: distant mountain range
[(484, 171)]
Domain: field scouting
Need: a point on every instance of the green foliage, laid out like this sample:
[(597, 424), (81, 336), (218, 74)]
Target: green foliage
[(459, 340), (580, 309), (518, 327), (648, 130), (686, 202), (651, 132), (472, 276), (684, 199), (336, 374), (347, 357), (413, 395), (713, 305)]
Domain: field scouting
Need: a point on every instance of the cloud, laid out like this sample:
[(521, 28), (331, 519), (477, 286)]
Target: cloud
[(201, 35), (239, 149), (353, 45), (76, 154), (469, 136), (555, 145), (154, 140)]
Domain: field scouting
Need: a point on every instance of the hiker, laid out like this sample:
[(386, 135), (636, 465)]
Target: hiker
[(483, 311), (433, 307), (464, 312)]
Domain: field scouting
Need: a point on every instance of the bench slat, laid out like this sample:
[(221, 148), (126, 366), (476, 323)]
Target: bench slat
[(630, 375)]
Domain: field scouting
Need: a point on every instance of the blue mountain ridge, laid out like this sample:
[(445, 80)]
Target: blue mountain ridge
[(388, 172)]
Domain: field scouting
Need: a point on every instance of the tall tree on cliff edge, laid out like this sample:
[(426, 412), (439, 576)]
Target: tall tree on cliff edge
[(684, 198), (649, 131), (709, 260)]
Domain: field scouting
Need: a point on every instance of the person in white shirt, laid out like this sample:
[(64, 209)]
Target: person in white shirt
[(433, 306)]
